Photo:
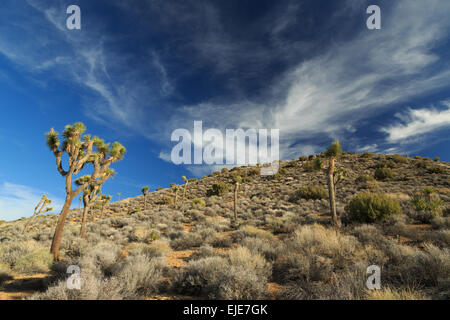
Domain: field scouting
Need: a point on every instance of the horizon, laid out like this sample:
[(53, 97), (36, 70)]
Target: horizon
[(137, 71)]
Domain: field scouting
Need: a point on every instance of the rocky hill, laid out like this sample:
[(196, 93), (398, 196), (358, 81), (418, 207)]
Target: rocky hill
[(283, 245)]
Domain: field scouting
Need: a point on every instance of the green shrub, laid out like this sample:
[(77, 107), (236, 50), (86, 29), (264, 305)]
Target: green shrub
[(383, 173), (398, 158), (217, 189), (385, 164), (437, 159), (303, 158), (435, 169), (258, 233), (224, 170), (314, 165), (198, 201), (310, 193), (364, 178), (421, 165), (367, 155), (368, 207)]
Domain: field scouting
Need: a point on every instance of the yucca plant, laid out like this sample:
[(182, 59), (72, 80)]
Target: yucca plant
[(237, 180), (333, 151), (80, 151), (40, 208), (90, 195), (175, 188), (185, 187), (118, 196), (144, 191), (105, 199)]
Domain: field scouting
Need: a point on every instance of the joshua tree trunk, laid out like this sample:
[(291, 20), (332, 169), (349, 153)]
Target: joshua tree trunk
[(176, 198), (331, 191), (145, 202), (103, 209), (84, 221), (236, 190), (184, 191), (56, 242)]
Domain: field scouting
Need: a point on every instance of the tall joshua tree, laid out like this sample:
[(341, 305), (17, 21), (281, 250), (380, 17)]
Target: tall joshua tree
[(118, 195), (40, 208), (333, 151), (144, 193), (175, 188), (105, 200), (237, 181), (185, 187), (80, 151)]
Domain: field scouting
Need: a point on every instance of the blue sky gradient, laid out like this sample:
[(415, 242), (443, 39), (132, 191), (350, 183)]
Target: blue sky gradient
[(139, 69)]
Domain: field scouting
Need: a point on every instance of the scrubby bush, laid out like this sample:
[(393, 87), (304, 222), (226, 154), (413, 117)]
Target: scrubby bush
[(368, 207), (309, 193), (25, 256), (217, 189), (314, 165), (398, 158), (255, 232), (198, 201), (241, 276), (364, 178), (435, 170), (383, 173), (187, 240)]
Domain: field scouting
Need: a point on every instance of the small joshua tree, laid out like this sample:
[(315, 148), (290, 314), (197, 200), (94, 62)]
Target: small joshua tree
[(237, 181), (105, 200), (185, 187), (118, 195), (80, 152), (90, 195), (40, 208), (333, 151), (175, 188), (144, 193)]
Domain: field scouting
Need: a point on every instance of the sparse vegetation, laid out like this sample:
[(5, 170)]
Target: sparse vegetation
[(368, 207)]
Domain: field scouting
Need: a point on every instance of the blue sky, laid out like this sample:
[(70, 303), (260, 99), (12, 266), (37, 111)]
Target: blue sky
[(139, 69)]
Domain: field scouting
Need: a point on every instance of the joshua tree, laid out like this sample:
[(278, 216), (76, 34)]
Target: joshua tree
[(90, 194), (118, 195), (185, 187), (175, 188), (333, 151), (80, 152), (40, 208), (144, 193), (105, 199), (338, 177), (237, 181)]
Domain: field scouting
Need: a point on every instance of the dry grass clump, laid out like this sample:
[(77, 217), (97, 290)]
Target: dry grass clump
[(25, 257), (395, 294), (242, 275), (255, 232)]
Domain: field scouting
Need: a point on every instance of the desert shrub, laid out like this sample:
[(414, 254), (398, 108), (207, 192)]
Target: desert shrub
[(383, 173), (198, 201), (280, 173), (398, 158), (167, 200), (368, 207), (303, 158), (292, 164), (100, 259), (267, 248), (395, 294), (25, 256), (139, 276), (187, 240), (385, 164), (367, 155), (314, 165), (421, 165), (310, 193), (435, 170), (159, 248), (5, 273), (217, 189), (426, 205), (437, 159), (224, 170), (2, 222), (242, 276), (255, 232), (440, 222), (364, 178), (254, 171)]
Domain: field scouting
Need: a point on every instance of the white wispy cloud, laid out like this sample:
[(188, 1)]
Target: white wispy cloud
[(18, 201), (417, 122)]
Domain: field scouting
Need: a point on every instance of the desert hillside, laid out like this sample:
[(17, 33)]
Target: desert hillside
[(394, 213)]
